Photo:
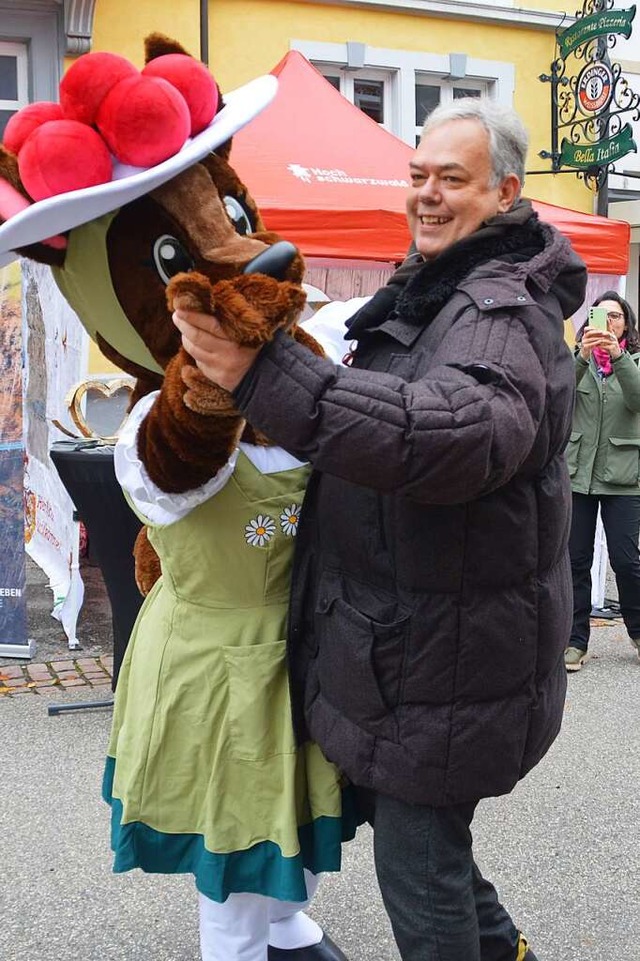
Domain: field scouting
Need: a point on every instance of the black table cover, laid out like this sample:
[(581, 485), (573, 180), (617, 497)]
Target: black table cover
[(88, 475)]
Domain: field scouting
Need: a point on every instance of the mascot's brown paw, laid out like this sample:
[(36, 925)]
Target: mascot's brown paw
[(193, 291), (250, 307), (147, 563), (203, 396), (270, 305)]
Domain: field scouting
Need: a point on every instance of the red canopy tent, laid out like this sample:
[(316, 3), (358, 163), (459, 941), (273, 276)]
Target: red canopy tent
[(332, 181)]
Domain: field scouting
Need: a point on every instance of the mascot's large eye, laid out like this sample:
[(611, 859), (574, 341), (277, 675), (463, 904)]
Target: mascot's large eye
[(170, 257), (239, 216)]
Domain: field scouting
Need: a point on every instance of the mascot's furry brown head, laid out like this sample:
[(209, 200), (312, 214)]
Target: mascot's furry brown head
[(125, 189)]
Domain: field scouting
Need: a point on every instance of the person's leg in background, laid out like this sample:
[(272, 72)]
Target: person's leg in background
[(621, 522), (440, 906), (581, 545)]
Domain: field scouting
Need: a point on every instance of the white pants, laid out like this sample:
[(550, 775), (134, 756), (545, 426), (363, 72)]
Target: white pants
[(241, 928)]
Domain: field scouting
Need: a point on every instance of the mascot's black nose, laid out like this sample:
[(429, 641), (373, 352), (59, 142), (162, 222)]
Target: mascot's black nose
[(274, 261)]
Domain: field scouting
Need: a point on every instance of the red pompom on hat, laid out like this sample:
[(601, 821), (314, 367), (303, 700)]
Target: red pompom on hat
[(110, 111), (87, 82), (63, 155), (144, 120), (25, 121), (194, 82)]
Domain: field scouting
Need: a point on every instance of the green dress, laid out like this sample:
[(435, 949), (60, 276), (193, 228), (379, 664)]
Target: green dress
[(203, 773)]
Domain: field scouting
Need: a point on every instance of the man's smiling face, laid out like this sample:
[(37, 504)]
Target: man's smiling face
[(450, 194)]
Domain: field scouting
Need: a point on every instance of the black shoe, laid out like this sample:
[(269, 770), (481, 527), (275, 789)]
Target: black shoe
[(530, 956), (326, 950)]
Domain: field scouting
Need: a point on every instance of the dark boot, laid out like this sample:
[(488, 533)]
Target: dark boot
[(326, 950)]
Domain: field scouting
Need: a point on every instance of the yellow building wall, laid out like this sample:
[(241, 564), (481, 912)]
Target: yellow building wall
[(122, 25), (97, 363), (554, 7), (248, 38)]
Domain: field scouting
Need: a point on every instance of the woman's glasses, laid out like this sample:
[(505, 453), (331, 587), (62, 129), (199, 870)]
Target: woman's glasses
[(615, 315)]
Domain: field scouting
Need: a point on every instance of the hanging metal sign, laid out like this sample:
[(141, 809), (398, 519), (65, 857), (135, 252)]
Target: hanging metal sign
[(600, 24), (586, 156), (592, 105)]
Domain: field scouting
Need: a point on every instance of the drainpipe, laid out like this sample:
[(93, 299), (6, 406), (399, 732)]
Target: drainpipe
[(204, 31)]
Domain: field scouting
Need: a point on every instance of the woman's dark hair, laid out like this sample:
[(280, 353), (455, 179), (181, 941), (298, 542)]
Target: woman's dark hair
[(630, 322)]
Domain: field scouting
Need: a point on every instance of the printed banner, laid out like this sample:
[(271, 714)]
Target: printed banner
[(13, 603), (56, 350)]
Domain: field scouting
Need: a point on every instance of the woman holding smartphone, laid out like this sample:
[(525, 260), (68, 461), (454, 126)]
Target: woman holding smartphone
[(604, 464)]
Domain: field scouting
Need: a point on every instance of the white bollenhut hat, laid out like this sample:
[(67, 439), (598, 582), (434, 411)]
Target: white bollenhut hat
[(56, 215)]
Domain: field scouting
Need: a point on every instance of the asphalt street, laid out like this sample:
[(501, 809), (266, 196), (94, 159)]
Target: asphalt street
[(563, 848)]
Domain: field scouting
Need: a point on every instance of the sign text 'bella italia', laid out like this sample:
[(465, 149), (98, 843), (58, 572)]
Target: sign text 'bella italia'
[(598, 154)]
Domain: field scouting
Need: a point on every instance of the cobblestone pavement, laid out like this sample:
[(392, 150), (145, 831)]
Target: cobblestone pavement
[(40, 678), (54, 665)]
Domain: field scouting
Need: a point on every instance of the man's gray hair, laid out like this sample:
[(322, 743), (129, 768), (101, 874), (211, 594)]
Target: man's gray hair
[(508, 139)]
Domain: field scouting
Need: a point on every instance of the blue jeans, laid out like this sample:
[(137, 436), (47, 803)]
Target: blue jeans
[(440, 906)]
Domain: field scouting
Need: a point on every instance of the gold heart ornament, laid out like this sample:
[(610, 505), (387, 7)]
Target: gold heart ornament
[(104, 391)]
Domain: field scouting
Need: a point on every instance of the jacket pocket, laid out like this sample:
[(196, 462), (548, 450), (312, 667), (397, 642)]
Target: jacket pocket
[(362, 639), (622, 464), (573, 452), (403, 365), (259, 713)]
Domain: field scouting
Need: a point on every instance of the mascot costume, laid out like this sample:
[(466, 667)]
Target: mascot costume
[(125, 189)]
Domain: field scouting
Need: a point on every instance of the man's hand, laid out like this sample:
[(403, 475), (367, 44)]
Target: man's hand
[(220, 359)]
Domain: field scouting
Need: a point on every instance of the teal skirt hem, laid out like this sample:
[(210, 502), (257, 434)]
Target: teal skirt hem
[(261, 869)]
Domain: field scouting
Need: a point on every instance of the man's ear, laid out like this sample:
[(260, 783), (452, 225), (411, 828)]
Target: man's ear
[(508, 193)]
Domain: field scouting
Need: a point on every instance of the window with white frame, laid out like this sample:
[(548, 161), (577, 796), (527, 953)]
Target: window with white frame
[(370, 90), (31, 52), (431, 92), (14, 80), (399, 88)]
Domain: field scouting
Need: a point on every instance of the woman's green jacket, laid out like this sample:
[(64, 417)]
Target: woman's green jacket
[(604, 450)]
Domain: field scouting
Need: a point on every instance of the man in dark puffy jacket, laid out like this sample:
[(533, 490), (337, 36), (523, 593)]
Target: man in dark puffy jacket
[(431, 600)]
